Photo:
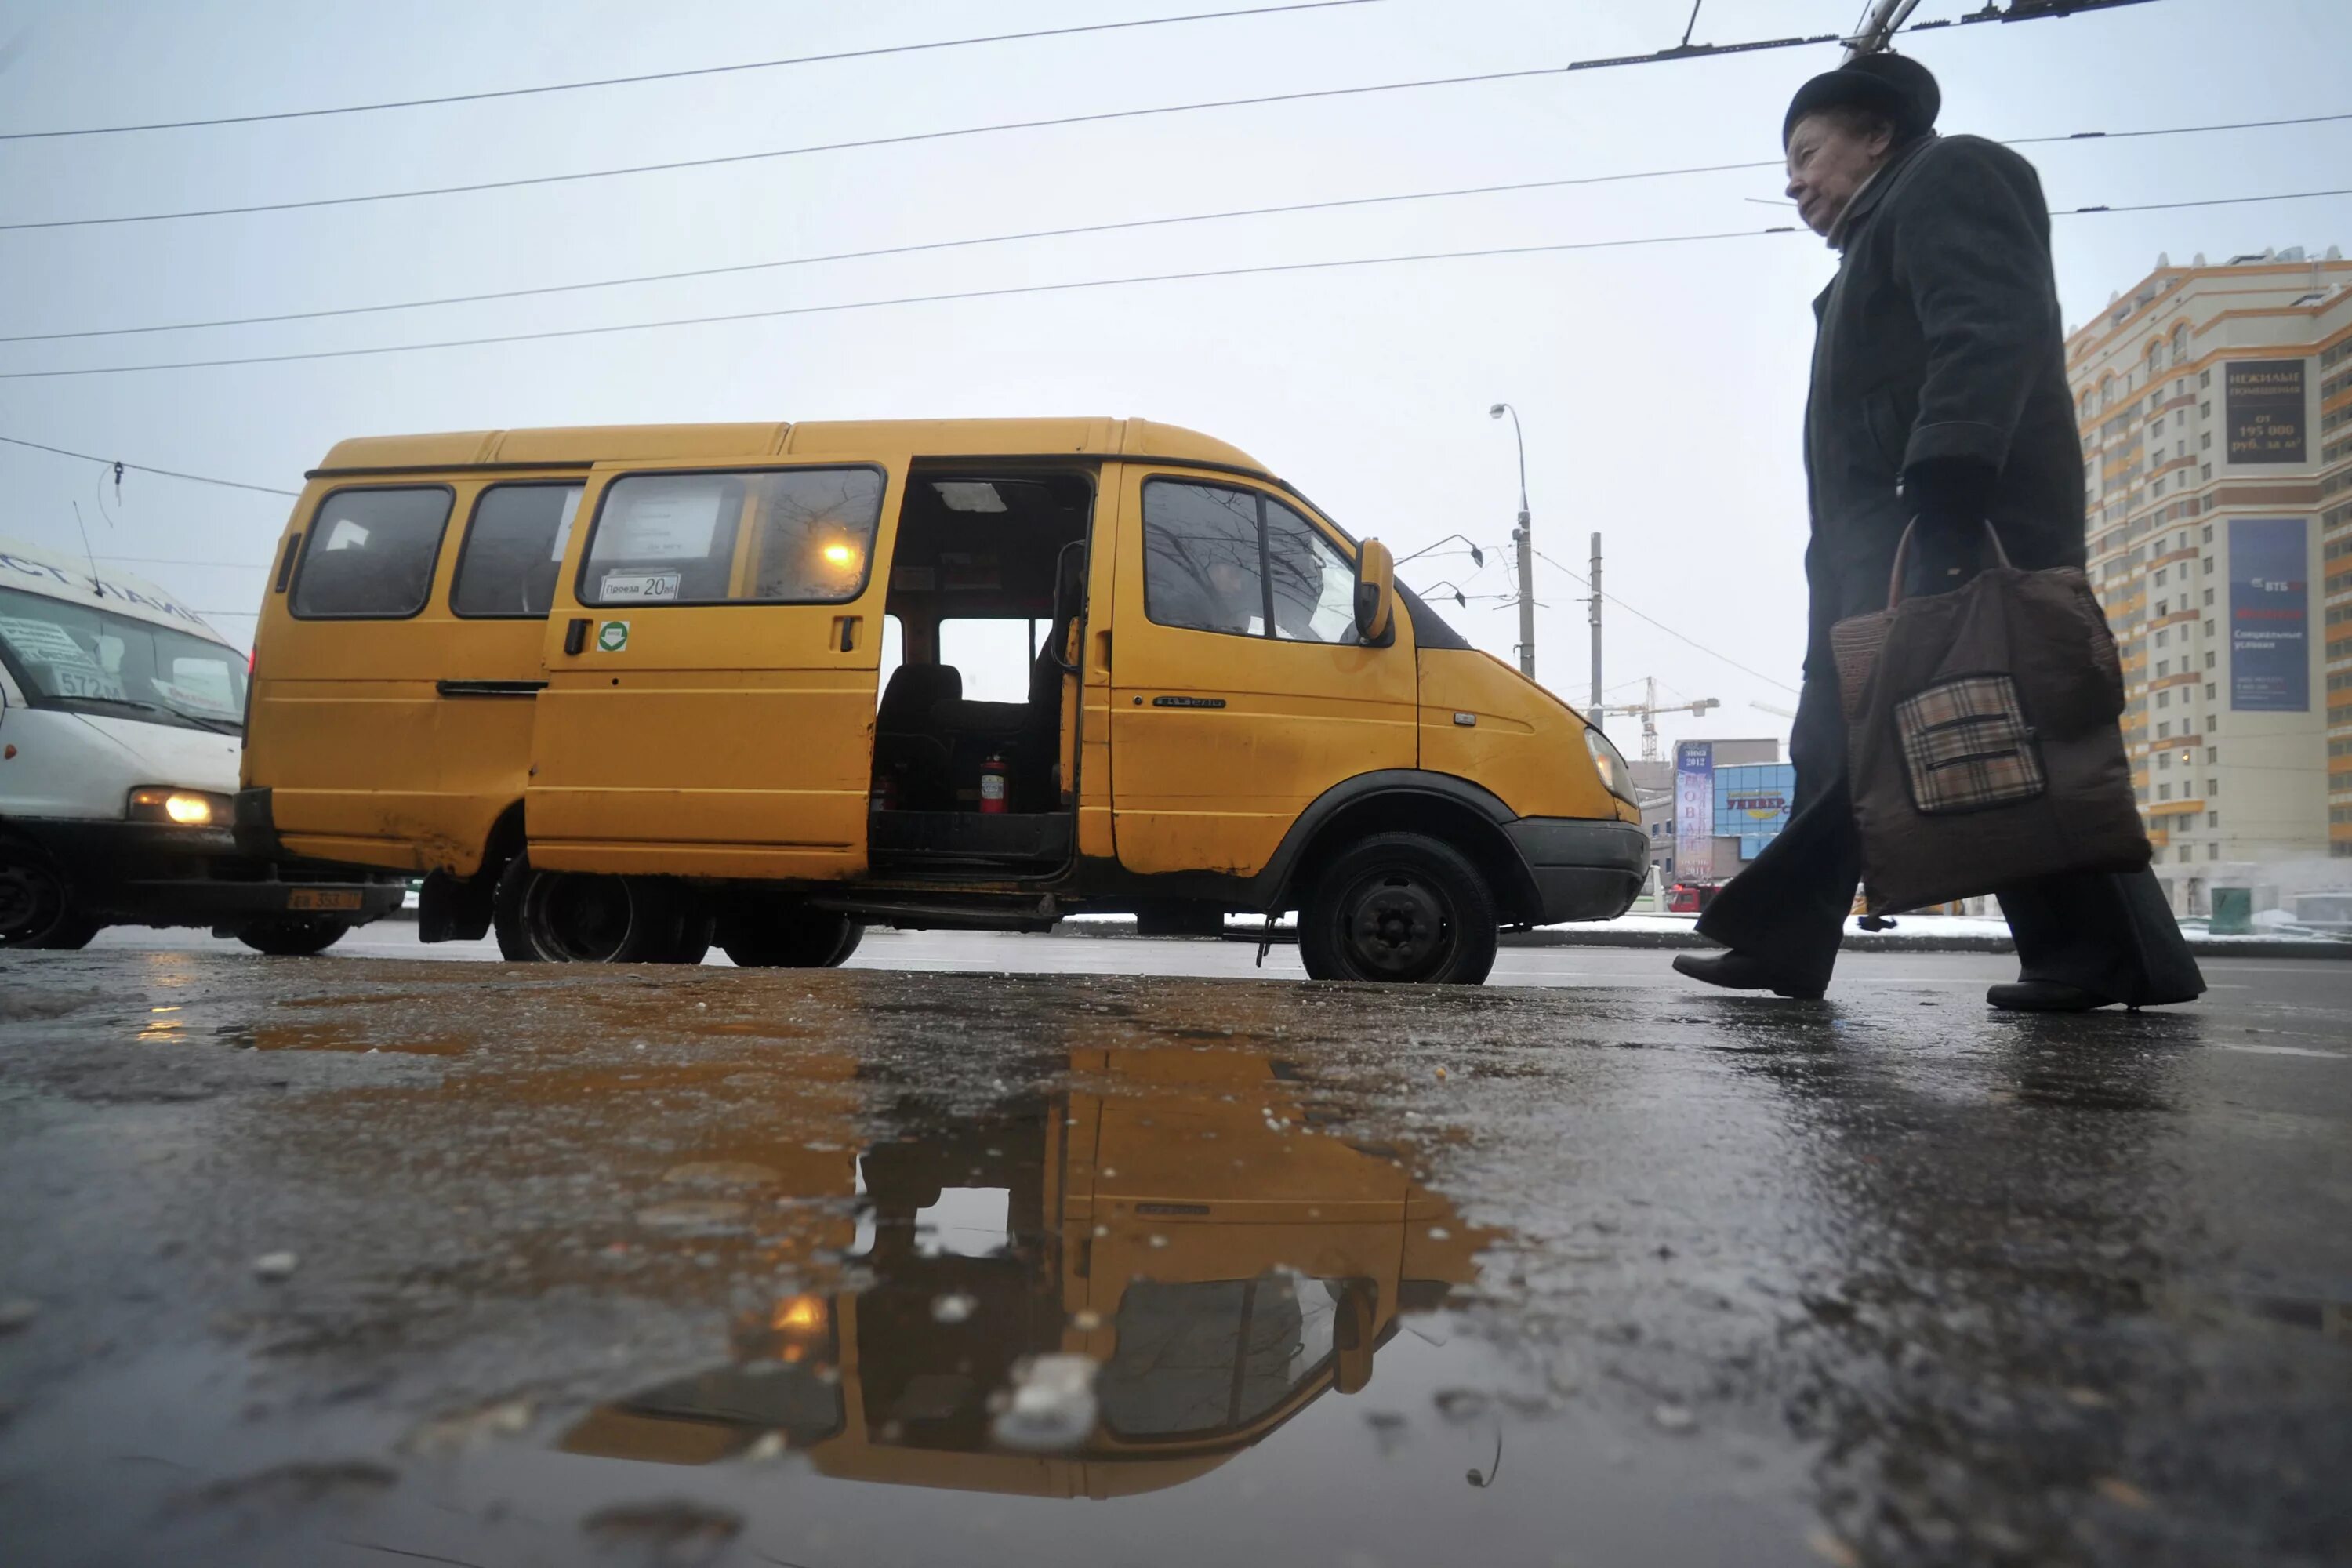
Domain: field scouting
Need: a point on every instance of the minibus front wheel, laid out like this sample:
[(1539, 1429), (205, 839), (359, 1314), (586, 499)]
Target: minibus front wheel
[(1399, 907), (575, 916)]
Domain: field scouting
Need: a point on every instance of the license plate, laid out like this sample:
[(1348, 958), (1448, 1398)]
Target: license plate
[(316, 899)]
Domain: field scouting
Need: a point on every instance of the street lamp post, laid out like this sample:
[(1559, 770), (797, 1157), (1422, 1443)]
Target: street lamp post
[(1521, 537)]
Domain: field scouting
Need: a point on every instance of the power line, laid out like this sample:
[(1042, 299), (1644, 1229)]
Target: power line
[(143, 468), (907, 137), (162, 561), (1010, 238), (1670, 631), (1073, 231), (674, 165), (1015, 289), (929, 46), (944, 298)]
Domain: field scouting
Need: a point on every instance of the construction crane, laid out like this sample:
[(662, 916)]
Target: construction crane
[(1648, 710), (1775, 712)]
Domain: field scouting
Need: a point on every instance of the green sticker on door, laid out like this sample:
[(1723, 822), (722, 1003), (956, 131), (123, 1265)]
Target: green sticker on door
[(612, 637)]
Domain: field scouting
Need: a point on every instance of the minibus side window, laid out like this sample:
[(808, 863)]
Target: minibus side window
[(792, 536), (513, 549), (1314, 585), (369, 553), (1201, 1357), (1203, 568)]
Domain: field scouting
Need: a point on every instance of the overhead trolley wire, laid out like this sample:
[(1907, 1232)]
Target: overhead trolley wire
[(143, 468), (1069, 286), (1072, 231), (1006, 291), (928, 46), (1607, 597), (1064, 233), (1683, 51), (908, 138)]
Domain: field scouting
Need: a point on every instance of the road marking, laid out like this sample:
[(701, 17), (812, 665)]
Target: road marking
[(2284, 1051)]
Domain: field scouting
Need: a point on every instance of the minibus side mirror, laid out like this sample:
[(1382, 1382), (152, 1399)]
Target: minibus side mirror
[(1354, 1331), (1375, 594)]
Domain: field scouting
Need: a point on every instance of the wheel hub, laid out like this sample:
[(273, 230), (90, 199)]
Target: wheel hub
[(584, 918), (1398, 926), (26, 898)]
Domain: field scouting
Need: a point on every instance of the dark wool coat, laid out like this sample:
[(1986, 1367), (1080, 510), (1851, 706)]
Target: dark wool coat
[(1939, 337)]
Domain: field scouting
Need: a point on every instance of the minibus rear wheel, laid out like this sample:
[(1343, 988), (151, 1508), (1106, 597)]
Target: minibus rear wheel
[(1399, 907), (35, 911), (574, 917), (793, 938)]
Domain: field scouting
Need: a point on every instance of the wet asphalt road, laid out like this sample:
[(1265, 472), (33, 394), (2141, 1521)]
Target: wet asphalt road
[(920, 1261)]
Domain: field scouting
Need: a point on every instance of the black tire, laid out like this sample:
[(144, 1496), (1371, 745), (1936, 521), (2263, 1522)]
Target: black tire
[(292, 936), (695, 929), (505, 914), (1401, 908), (35, 906), (577, 917), (792, 938)]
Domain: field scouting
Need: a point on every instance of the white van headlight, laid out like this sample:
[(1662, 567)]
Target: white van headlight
[(182, 807), (1616, 775)]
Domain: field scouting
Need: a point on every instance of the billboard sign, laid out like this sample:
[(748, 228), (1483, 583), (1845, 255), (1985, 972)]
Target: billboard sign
[(1695, 810), (2263, 402), (2270, 615)]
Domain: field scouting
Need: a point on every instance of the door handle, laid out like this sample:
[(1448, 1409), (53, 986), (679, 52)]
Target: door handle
[(575, 636), (846, 628)]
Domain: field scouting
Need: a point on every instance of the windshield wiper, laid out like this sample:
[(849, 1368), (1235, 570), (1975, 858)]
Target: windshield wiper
[(233, 728)]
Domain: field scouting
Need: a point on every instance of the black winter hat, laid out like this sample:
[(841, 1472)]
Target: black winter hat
[(1896, 86)]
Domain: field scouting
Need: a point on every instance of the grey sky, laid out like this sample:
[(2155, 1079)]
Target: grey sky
[(1661, 387)]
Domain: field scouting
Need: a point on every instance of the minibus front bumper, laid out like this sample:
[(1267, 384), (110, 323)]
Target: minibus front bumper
[(152, 873), (1582, 870)]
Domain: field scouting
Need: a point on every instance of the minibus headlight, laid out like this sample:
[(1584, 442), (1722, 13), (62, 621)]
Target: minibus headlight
[(1616, 775), (181, 807)]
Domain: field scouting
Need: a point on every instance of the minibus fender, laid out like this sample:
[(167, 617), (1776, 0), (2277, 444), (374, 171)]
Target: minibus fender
[(1412, 800)]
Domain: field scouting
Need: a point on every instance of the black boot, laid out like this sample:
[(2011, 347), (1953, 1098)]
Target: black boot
[(1737, 970), (2046, 996)]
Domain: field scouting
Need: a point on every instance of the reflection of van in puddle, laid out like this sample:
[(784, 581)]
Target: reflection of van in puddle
[(120, 714), (609, 741), (1174, 1221)]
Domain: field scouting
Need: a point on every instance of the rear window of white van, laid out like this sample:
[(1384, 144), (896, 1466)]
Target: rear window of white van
[(370, 553)]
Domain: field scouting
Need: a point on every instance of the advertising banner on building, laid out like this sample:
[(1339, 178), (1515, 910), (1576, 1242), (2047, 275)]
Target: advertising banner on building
[(1695, 810), (2263, 402), (2270, 615)]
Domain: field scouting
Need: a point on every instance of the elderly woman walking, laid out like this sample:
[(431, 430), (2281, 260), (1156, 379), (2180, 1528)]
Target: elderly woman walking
[(1938, 394)]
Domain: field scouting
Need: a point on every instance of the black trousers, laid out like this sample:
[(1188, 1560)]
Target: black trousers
[(2113, 935)]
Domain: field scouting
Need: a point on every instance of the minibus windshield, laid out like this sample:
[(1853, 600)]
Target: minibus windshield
[(80, 658)]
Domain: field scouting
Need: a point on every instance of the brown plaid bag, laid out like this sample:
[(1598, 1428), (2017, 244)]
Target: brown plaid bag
[(1966, 746), (1982, 744)]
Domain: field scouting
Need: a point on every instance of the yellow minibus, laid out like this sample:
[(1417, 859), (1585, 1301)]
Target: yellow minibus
[(1166, 1223), (620, 692)]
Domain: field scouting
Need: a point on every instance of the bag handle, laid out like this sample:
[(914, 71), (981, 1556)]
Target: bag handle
[(1903, 557)]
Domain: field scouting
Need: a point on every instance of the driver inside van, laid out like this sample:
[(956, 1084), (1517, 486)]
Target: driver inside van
[(1220, 597)]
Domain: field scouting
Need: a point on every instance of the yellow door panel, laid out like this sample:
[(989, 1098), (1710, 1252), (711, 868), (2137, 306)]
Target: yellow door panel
[(395, 664), (712, 663), (1221, 735)]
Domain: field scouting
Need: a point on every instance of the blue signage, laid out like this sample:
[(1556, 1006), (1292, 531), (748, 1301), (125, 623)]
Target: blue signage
[(2270, 615)]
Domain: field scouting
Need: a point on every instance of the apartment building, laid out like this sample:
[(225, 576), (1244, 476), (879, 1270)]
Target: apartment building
[(2216, 411)]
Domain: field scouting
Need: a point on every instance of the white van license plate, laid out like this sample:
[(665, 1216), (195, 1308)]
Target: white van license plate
[(322, 899)]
